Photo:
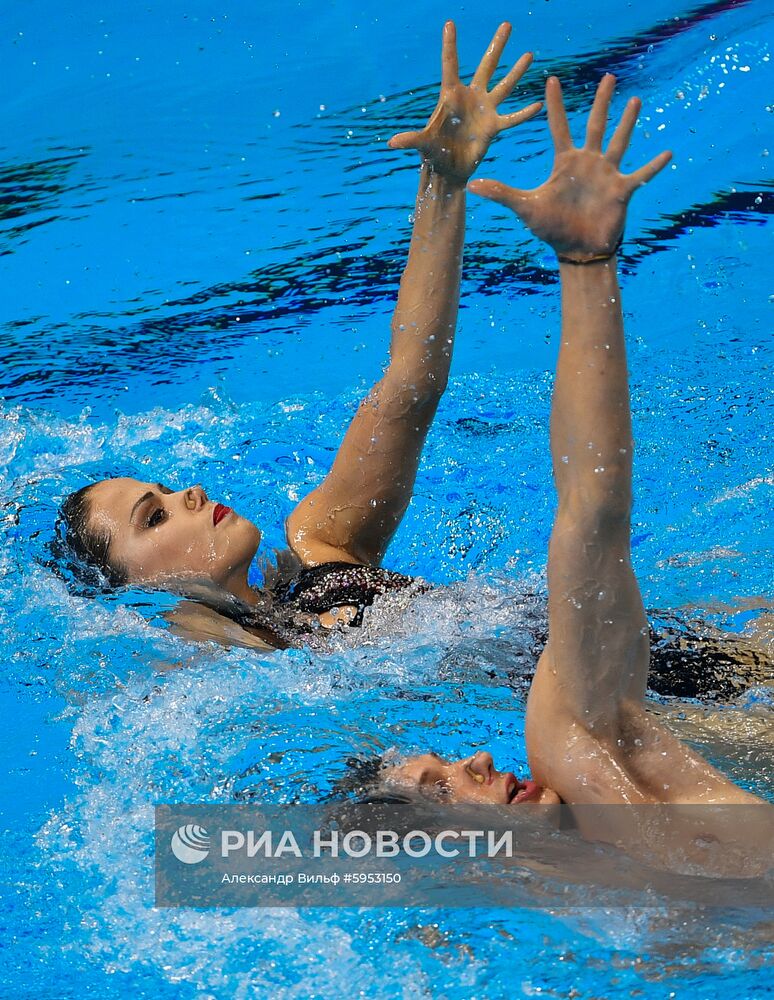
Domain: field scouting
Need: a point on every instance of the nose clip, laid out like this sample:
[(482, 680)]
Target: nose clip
[(190, 501)]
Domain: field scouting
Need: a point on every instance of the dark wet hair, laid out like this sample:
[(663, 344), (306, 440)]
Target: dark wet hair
[(364, 782), (89, 545), (363, 800)]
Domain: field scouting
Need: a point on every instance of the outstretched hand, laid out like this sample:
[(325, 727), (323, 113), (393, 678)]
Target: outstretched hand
[(581, 209), (465, 120)]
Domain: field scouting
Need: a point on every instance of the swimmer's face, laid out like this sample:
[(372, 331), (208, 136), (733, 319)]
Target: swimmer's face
[(159, 534), (473, 779)]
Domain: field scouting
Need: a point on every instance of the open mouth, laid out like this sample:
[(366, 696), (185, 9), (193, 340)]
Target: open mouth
[(219, 513), (523, 791)]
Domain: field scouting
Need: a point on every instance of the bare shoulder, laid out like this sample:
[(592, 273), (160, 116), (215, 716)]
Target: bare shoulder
[(668, 769), (191, 620)]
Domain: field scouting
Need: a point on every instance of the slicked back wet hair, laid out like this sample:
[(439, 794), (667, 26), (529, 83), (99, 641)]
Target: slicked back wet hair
[(365, 782), (364, 799), (89, 544)]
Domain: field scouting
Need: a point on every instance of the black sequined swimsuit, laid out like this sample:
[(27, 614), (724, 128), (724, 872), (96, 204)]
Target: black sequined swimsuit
[(686, 661), (318, 589)]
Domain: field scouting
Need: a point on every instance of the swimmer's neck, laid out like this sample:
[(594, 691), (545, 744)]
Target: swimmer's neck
[(240, 588)]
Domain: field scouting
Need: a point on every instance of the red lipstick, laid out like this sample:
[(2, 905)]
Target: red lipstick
[(219, 513)]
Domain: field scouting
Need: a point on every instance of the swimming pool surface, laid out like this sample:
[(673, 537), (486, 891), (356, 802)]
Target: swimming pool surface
[(202, 235)]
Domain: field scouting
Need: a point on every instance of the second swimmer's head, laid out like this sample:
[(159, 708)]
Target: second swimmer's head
[(472, 779)]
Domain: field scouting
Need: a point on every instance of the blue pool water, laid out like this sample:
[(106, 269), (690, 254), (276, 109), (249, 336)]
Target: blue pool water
[(202, 235)]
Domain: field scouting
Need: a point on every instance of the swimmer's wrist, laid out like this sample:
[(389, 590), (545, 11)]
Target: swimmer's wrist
[(604, 258), (440, 183), (592, 264), (600, 276), (583, 259)]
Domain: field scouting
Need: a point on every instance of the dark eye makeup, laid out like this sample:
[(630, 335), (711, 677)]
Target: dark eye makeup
[(157, 517)]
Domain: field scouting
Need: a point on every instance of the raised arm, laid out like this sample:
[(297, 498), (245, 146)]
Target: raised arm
[(588, 735), (354, 513)]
